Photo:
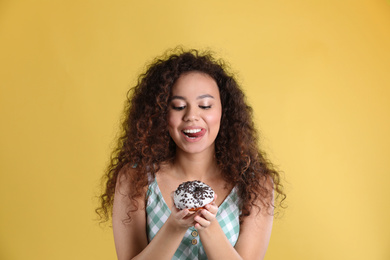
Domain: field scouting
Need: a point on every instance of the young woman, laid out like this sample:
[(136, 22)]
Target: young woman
[(185, 120)]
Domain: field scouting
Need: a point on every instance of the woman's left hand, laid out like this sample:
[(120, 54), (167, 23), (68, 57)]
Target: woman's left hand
[(206, 216)]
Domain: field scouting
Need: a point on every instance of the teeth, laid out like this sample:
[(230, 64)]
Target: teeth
[(191, 131)]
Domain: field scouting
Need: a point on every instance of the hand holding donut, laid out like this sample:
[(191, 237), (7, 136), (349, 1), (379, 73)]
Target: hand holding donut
[(182, 218), (205, 217)]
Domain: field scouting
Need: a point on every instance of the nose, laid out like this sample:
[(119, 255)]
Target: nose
[(191, 114)]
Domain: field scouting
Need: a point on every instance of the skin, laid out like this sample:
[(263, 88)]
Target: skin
[(195, 104)]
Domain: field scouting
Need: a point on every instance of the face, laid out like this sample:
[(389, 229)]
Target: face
[(194, 114)]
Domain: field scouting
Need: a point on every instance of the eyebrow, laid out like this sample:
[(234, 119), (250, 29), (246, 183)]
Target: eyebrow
[(199, 97), (205, 96)]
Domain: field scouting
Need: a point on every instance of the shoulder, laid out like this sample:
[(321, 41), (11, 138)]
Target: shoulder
[(129, 192), (130, 179), (124, 177)]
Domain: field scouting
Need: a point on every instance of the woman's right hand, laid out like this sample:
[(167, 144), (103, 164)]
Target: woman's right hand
[(181, 219)]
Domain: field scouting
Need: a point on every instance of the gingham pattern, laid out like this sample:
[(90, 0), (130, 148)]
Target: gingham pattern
[(158, 212)]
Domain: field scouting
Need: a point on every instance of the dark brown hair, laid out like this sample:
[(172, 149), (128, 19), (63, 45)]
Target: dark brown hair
[(145, 143)]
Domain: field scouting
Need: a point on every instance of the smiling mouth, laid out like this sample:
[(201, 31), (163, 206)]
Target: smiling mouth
[(193, 133)]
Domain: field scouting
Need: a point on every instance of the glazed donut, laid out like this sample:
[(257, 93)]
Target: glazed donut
[(193, 195)]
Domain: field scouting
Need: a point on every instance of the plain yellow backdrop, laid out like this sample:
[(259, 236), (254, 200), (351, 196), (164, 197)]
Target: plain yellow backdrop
[(317, 74)]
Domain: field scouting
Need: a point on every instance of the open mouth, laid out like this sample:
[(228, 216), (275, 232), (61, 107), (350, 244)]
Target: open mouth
[(194, 133)]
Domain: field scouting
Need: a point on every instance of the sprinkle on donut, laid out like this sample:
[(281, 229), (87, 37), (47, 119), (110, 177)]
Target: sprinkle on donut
[(193, 195)]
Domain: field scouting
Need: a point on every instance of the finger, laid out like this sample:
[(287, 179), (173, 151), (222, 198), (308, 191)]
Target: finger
[(179, 214), (215, 197), (190, 212), (182, 213), (202, 221), (208, 215), (198, 226), (212, 208)]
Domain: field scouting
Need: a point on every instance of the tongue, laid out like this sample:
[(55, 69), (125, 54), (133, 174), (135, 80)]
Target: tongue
[(194, 134)]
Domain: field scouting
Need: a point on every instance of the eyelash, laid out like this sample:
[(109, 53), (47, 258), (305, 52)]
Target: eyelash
[(178, 108), (181, 108)]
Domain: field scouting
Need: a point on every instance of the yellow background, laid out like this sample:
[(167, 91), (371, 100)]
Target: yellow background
[(316, 73)]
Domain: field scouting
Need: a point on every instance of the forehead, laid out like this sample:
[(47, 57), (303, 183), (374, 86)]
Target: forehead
[(194, 84)]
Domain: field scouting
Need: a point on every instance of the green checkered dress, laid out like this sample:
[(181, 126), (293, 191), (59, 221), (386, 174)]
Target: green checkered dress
[(191, 247)]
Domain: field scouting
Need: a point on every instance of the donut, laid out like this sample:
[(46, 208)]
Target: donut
[(193, 195)]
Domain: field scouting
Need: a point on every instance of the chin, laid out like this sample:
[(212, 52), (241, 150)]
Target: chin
[(196, 150)]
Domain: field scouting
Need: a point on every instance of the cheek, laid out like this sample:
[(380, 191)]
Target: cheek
[(214, 120), (172, 123)]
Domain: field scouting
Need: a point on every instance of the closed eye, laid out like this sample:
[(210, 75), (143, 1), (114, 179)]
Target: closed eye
[(178, 108), (205, 107)]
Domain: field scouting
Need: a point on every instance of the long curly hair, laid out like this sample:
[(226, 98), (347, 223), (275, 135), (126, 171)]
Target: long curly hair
[(145, 143)]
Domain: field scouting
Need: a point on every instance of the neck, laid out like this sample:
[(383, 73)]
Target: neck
[(200, 166)]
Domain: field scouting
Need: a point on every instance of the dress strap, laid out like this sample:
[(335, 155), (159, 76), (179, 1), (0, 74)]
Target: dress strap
[(150, 178)]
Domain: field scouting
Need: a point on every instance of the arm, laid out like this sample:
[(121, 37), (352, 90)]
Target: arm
[(255, 232), (130, 236)]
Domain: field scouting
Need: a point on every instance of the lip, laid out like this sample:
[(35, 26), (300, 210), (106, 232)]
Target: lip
[(198, 137)]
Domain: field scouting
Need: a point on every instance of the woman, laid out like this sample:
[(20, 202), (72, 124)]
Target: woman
[(187, 120)]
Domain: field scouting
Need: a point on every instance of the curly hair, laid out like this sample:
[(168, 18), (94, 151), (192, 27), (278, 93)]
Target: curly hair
[(145, 141)]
